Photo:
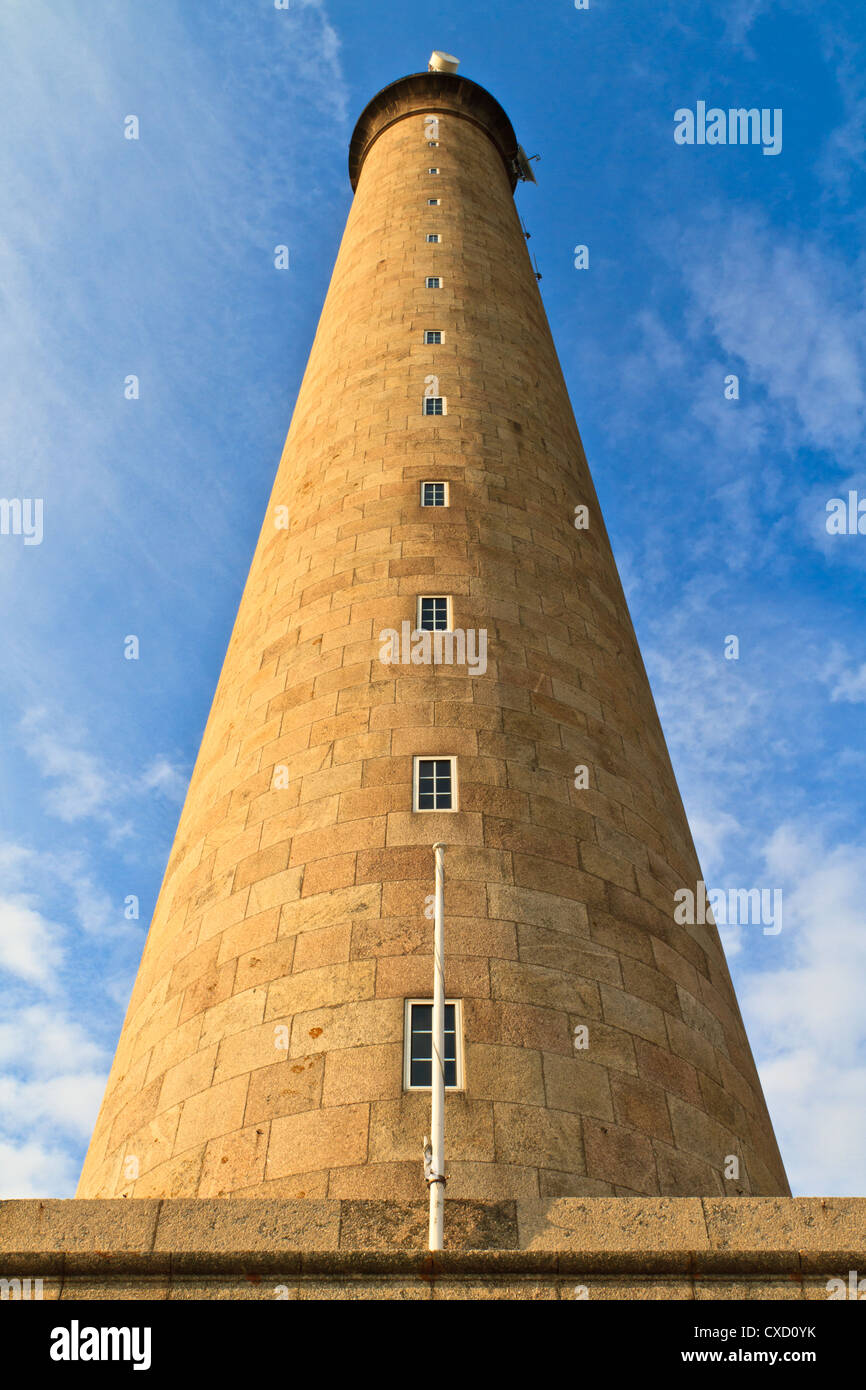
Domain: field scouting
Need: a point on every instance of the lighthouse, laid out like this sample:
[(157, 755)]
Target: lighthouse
[(278, 1041)]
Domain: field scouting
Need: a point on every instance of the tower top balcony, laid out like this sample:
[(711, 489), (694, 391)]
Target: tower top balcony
[(433, 92)]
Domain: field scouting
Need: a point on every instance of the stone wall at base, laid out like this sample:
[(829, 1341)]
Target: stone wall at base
[(603, 1248)]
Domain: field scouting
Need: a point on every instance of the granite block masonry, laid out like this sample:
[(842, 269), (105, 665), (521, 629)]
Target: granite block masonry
[(263, 1052)]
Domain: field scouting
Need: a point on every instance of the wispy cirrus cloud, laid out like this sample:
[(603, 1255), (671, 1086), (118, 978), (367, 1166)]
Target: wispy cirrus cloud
[(81, 785), (46, 1040), (152, 257), (792, 314), (166, 778), (805, 1014), (80, 788), (30, 1168), (846, 680), (29, 943)]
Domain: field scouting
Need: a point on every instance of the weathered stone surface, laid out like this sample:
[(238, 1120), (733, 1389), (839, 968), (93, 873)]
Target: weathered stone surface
[(771, 1223), (620, 1224), (567, 1248), (78, 1225), (224, 1227)]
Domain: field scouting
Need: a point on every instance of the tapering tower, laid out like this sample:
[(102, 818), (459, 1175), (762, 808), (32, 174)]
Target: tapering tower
[(433, 645)]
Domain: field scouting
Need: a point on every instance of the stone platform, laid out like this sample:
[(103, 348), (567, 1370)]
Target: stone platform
[(565, 1248)]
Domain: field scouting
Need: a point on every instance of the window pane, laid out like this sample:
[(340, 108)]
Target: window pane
[(434, 784), (434, 495), (421, 1045), (443, 786), (434, 614), (426, 793), (420, 1074)]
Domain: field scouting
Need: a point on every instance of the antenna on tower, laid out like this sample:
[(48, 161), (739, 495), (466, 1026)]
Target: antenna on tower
[(522, 165), (442, 62)]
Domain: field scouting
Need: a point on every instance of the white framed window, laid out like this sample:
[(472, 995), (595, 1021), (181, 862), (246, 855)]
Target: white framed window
[(433, 144), (432, 335), (433, 202), (435, 405), (433, 237), (434, 613), (433, 282), (418, 1045), (435, 494), (434, 784), (432, 171)]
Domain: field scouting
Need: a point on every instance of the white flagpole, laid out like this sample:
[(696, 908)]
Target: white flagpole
[(434, 1151)]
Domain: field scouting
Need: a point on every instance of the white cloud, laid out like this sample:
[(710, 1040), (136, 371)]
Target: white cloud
[(739, 16), (167, 778), (29, 944), (66, 1103), (52, 1079), (844, 156), (792, 314), (846, 682), (712, 831), (47, 1041), (80, 788), (851, 686), (32, 877), (704, 702), (262, 106), (33, 1169), (785, 312), (805, 1015)]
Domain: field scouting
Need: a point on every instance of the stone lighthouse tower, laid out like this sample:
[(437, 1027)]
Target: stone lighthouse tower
[(433, 646)]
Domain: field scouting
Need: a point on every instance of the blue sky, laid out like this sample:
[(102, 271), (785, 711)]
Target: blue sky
[(155, 258)]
